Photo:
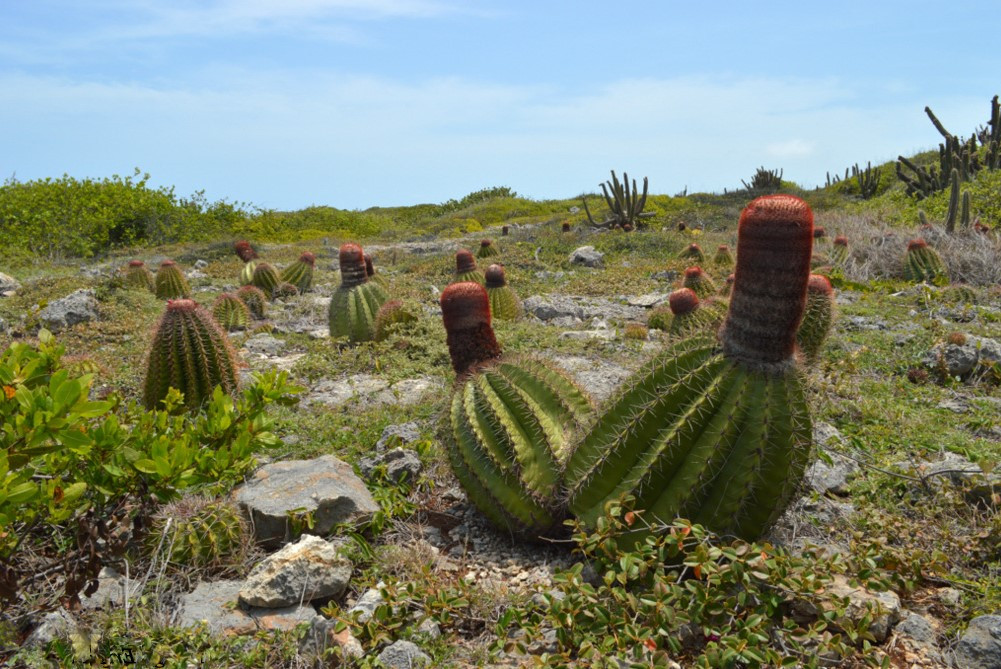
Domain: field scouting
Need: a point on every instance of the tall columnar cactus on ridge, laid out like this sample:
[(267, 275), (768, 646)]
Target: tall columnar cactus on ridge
[(699, 281), (723, 256), (694, 252), (255, 299), (922, 263), (371, 273), (839, 250), (300, 273), (266, 278), (817, 318), (230, 312), (137, 275), (357, 300), (715, 430), (511, 420), (190, 352), (487, 249), (465, 268), (504, 303), (170, 282)]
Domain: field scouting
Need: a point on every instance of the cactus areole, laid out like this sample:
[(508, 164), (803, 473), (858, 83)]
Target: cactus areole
[(495, 276), (352, 262), (465, 311), (683, 301)]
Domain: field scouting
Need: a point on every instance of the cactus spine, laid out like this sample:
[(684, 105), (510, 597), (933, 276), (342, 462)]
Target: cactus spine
[(817, 317), (693, 252), (170, 282), (137, 275), (922, 263), (255, 300), (699, 281), (723, 256), (715, 431), (504, 303), (247, 273), (300, 273), (687, 315), (511, 421), (198, 532), (839, 250), (393, 314), (357, 300), (487, 249), (266, 278), (465, 268), (188, 352), (230, 312)]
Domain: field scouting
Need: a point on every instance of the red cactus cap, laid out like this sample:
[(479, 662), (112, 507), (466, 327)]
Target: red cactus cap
[(819, 232), (683, 301), (168, 263), (464, 261), (495, 276), (485, 243), (136, 263), (730, 278), (244, 250), (352, 262), (774, 245), (308, 258), (694, 272), (841, 240), (918, 243), (819, 283), (369, 265), (723, 247), (465, 311), (181, 306), (694, 248)]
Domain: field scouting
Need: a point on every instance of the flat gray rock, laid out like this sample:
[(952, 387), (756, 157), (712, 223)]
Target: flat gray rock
[(80, 306), (326, 487), (980, 645), (264, 344), (309, 569), (556, 309), (367, 603), (404, 655), (606, 335), (367, 391), (215, 604), (398, 435), (401, 464), (599, 378), (587, 256), (8, 285), (647, 301), (55, 625)]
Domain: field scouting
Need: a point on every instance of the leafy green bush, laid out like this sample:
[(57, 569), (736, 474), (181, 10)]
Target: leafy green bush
[(78, 476)]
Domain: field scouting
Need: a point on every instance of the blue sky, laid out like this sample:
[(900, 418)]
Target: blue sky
[(356, 103)]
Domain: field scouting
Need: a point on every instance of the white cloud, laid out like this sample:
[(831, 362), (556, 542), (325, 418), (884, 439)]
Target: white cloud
[(790, 148)]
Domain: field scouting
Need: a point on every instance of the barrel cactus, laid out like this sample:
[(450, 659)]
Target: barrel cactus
[(922, 263), (230, 312), (170, 282), (300, 273), (371, 273), (512, 421), (357, 300), (699, 281), (487, 249), (393, 314), (285, 290), (839, 250), (254, 298), (465, 268), (723, 256), (693, 252), (266, 278), (138, 276), (715, 430), (687, 315), (189, 352), (727, 286), (247, 273), (959, 294), (817, 318), (198, 532), (504, 303)]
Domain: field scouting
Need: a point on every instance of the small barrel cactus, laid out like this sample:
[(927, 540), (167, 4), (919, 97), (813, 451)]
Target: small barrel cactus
[(357, 300), (723, 256), (817, 318), (137, 275), (247, 273), (922, 263), (512, 421), (244, 251), (465, 268), (487, 249), (371, 273), (255, 299), (715, 430), (699, 281), (819, 232), (198, 532), (230, 312), (959, 294), (566, 227), (189, 352), (687, 315), (170, 282), (727, 286), (266, 278), (285, 290), (839, 250), (504, 303), (392, 314), (300, 273), (504, 230), (694, 252)]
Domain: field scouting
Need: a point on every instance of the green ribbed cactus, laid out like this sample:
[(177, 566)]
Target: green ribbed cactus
[(255, 299), (247, 273), (512, 421), (266, 278), (817, 317), (839, 251), (284, 290), (357, 300), (504, 303), (487, 249), (727, 287), (686, 315), (465, 268), (723, 256), (959, 294), (230, 312), (188, 352), (371, 273), (393, 314), (922, 263), (198, 532), (300, 273), (693, 252), (699, 281), (715, 430), (138, 276), (170, 282)]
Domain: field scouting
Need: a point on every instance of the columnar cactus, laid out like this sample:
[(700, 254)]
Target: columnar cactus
[(300, 273), (137, 275), (839, 250), (922, 263), (189, 352), (817, 318), (394, 313), (512, 421), (230, 312), (699, 281), (487, 249), (715, 430), (371, 273), (693, 251), (723, 256), (170, 282), (254, 298), (465, 268), (266, 278), (357, 300), (504, 303)]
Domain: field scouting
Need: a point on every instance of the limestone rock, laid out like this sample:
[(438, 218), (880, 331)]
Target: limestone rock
[(401, 464), (366, 391), (398, 435), (264, 344), (322, 635), (980, 645), (8, 285), (301, 572), (80, 306), (367, 603), (213, 604), (404, 655), (599, 378), (587, 256), (56, 624)]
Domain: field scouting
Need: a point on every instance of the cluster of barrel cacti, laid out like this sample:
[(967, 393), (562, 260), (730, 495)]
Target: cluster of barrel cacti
[(504, 302), (300, 273), (700, 282)]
